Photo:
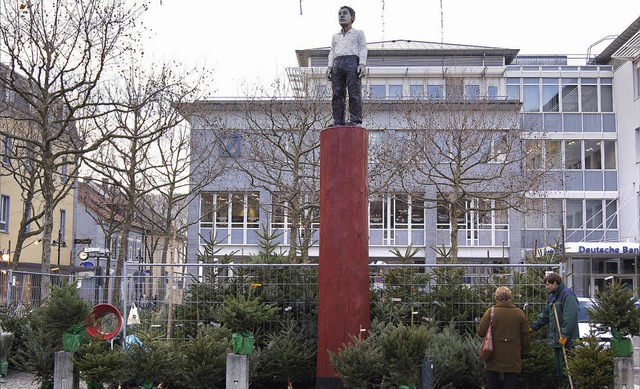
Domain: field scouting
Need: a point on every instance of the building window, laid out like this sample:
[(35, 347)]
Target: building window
[(377, 92), (594, 214), (609, 154), (592, 154), (435, 92), (573, 157), (395, 91), (574, 214), (416, 91), (606, 98), (7, 149), (550, 95), (492, 92), (4, 213), (229, 209), (589, 96), (611, 217), (569, 95), (454, 88), (531, 94), (230, 145), (64, 171), (63, 224), (472, 91), (28, 210)]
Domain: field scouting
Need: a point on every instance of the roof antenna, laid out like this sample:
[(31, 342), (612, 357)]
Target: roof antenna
[(441, 23), (300, 7)]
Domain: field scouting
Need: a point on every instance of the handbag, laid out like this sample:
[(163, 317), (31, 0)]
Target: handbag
[(487, 344)]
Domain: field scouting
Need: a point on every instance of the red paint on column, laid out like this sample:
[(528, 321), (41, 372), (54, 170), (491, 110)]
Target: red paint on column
[(343, 280)]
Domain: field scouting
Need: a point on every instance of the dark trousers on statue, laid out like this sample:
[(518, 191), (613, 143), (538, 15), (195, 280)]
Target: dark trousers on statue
[(344, 77), (493, 380)]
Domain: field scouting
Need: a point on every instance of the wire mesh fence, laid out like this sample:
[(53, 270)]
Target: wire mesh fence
[(178, 300)]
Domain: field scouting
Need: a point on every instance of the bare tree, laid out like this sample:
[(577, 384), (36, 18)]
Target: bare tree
[(281, 154), (56, 53), (144, 114), (164, 212), (462, 156)]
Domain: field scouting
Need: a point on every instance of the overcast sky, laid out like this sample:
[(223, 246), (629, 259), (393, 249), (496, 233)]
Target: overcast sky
[(253, 41)]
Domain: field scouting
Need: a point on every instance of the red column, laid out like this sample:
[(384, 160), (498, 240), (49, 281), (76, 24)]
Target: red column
[(343, 280)]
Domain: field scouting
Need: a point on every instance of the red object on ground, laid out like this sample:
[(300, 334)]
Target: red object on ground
[(96, 320), (343, 280)]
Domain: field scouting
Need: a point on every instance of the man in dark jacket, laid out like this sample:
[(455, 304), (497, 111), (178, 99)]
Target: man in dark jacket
[(562, 302)]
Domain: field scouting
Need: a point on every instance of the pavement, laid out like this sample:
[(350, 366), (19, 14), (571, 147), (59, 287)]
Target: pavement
[(22, 380)]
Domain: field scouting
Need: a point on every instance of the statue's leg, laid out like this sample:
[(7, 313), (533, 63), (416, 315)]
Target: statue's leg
[(339, 88), (354, 85)]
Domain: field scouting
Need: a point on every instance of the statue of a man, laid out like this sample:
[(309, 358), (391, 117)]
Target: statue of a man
[(347, 65)]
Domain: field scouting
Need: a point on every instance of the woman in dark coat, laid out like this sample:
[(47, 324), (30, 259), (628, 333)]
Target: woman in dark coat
[(510, 340)]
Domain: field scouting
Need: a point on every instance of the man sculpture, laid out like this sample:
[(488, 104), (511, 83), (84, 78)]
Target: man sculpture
[(347, 65)]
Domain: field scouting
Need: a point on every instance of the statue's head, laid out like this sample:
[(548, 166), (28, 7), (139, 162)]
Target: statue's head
[(346, 15)]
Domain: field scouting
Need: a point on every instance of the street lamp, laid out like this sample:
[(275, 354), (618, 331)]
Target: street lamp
[(59, 243), (5, 260)]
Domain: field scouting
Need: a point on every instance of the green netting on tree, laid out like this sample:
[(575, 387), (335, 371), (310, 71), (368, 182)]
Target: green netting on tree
[(242, 343), (72, 338)]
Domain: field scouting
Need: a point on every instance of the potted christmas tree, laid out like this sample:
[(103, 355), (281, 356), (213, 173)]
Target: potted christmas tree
[(615, 309)]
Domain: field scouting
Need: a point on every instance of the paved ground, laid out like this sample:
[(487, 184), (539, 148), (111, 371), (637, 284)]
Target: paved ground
[(20, 380)]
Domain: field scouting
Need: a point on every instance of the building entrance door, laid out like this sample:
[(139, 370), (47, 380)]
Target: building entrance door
[(601, 281)]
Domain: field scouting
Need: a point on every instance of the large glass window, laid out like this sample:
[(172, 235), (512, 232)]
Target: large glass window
[(531, 98), (611, 209), (4, 213), (417, 212), (606, 98), (592, 154), (278, 211), (553, 154), (239, 208), (472, 91), (492, 92), (401, 207), (589, 95), (513, 92), (574, 214), (376, 212), (609, 154), (533, 150), (569, 95), (594, 213), (435, 92), (573, 158), (416, 91), (395, 91), (550, 95), (554, 213), (533, 217), (377, 92)]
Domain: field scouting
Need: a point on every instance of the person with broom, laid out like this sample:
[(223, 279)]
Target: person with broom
[(560, 315)]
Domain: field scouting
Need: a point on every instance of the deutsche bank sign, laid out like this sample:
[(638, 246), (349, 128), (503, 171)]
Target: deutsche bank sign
[(603, 248)]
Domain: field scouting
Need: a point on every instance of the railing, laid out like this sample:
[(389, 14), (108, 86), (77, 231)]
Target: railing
[(180, 299)]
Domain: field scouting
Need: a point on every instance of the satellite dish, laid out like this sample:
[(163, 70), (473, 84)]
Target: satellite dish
[(83, 255)]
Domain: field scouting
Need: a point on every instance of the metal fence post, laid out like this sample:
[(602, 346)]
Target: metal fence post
[(9, 284), (123, 293)]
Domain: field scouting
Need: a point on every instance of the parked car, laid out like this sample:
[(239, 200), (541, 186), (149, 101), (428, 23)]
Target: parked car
[(584, 326)]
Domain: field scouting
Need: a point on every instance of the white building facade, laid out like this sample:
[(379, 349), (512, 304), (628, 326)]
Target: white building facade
[(582, 120)]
